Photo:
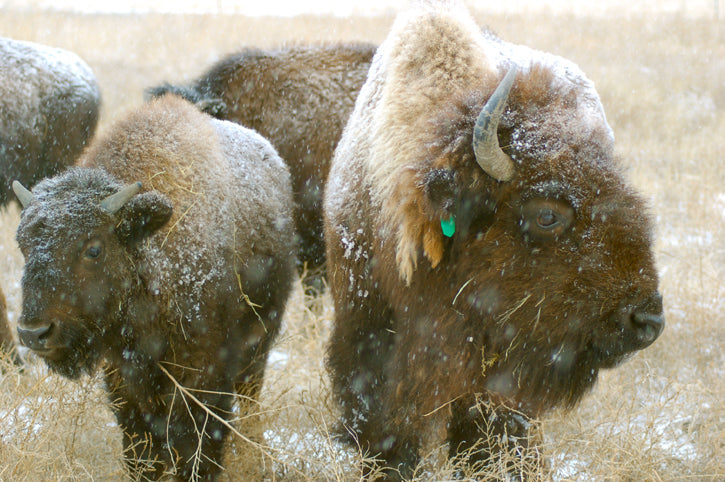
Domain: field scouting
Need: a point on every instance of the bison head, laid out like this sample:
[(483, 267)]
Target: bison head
[(79, 233), (545, 249)]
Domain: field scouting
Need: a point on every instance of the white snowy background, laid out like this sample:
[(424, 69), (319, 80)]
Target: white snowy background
[(288, 8)]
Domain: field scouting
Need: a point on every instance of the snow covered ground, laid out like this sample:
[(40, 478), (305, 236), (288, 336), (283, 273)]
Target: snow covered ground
[(690, 8)]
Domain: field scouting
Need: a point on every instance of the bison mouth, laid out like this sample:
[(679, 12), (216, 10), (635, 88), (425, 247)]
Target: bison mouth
[(635, 327), (65, 351)]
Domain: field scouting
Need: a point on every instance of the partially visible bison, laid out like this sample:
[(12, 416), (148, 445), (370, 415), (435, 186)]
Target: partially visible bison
[(166, 257), (485, 254), (299, 98), (49, 100)]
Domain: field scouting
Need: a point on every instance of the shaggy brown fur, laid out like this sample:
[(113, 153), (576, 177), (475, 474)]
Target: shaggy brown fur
[(49, 101), (299, 98), (189, 277), (548, 278)]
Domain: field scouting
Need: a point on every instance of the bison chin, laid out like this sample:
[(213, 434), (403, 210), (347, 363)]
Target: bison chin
[(72, 366), (71, 352), (613, 354)]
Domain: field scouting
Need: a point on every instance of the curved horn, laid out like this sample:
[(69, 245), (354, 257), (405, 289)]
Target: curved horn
[(489, 154), (114, 202), (24, 196)]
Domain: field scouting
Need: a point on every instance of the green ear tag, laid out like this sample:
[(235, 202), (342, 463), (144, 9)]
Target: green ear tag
[(448, 227)]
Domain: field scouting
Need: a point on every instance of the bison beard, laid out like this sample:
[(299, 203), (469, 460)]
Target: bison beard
[(549, 275), (175, 293)]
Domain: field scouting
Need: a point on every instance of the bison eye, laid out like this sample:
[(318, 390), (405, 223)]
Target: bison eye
[(94, 250), (546, 218)]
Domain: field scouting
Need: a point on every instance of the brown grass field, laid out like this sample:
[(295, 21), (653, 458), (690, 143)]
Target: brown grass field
[(660, 416)]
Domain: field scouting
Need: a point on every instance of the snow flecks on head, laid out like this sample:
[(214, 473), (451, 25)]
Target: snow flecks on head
[(65, 208), (566, 74)]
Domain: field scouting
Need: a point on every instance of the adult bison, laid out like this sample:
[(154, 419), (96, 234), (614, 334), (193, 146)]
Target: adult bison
[(485, 255), (299, 98), (182, 281), (49, 101)]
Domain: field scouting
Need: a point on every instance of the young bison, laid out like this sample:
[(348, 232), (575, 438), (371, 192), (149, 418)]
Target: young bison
[(299, 98), (485, 255), (167, 253)]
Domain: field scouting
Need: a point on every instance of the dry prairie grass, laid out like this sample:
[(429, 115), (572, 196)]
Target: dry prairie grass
[(660, 416)]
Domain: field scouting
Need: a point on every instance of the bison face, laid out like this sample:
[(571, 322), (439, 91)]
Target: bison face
[(551, 260), (554, 282), (79, 241)]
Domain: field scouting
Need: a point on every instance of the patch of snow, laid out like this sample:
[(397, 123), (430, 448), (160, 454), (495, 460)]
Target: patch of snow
[(277, 358), (20, 419), (720, 203), (568, 467), (693, 237)]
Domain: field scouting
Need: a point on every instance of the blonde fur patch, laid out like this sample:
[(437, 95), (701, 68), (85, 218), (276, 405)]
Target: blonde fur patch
[(431, 56), (433, 244)]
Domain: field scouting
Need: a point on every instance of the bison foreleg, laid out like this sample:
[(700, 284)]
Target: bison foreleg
[(187, 445), (180, 433), (141, 457), (358, 359)]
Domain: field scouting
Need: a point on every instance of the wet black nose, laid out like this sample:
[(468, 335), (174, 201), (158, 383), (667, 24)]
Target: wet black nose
[(656, 322), (35, 338), (648, 319)]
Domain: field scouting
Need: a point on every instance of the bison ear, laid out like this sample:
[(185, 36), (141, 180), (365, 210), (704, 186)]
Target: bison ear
[(142, 216), (451, 205), (441, 192)]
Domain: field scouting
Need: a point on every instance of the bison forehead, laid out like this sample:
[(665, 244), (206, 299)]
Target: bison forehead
[(545, 122), (553, 89), (51, 231), (77, 183), (587, 184), (65, 207)]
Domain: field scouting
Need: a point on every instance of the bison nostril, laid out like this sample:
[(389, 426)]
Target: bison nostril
[(35, 338), (650, 325)]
